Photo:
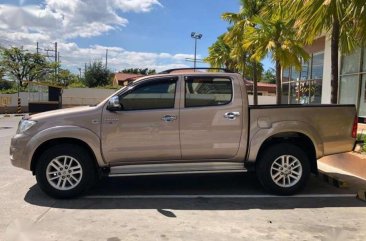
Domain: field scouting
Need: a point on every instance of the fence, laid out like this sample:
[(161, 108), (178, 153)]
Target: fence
[(82, 96)]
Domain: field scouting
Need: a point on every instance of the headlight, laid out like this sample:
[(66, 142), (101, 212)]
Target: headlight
[(25, 125)]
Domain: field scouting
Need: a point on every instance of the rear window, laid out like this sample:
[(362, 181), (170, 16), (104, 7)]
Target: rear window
[(207, 91)]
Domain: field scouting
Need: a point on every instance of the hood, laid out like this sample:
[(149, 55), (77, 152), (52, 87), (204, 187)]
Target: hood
[(61, 113), (85, 117)]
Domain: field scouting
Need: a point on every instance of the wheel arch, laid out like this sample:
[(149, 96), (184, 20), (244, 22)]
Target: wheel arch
[(299, 139), (58, 141), (64, 134)]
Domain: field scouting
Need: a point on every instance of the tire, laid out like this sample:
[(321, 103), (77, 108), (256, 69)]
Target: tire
[(291, 178), (65, 171)]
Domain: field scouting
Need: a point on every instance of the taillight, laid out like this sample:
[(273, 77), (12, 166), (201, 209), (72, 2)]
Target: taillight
[(354, 128)]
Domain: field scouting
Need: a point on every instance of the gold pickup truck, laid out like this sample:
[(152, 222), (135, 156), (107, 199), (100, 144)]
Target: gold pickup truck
[(177, 123)]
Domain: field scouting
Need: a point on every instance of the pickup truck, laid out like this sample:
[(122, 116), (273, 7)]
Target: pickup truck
[(177, 123)]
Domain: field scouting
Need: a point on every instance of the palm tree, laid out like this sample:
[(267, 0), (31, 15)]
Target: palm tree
[(236, 34), (335, 18), (219, 55), (356, 13), (273, 34)]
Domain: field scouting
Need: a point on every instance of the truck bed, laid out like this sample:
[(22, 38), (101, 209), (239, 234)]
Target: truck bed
[(328, 126)]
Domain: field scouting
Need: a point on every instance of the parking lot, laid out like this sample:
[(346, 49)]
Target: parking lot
[(180, 207)]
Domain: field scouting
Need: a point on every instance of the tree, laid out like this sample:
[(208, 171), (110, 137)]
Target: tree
[(66, 78), (356, 13), (342, 20), (96, 75), (219, 55), (274, 34), (2, 71), (145, 71), (236, 35), (22, 65), (5, 84), (269, 76)]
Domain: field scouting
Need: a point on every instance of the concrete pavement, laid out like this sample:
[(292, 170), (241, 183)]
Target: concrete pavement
[(219, 207)]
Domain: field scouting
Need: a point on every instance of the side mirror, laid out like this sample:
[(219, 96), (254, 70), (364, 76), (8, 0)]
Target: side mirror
[(114, 104)]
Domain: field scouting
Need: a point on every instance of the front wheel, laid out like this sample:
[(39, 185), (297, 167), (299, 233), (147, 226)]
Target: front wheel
[(65, 171), (283, 169)]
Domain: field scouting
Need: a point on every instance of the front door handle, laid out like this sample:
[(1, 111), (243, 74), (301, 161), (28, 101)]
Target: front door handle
[(169, 118), (232, 115)]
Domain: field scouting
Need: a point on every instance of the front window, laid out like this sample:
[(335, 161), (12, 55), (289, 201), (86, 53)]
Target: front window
[(154, 94)]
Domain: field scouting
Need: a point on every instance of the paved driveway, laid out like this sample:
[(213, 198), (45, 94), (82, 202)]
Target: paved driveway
[(180, 207)]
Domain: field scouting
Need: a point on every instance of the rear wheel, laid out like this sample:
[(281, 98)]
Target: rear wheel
[(65, 171), (283, 169)]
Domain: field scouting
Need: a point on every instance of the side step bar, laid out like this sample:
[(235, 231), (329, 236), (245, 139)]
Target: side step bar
[(176, 168)]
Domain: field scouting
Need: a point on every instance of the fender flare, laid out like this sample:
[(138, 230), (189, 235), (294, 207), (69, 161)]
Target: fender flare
[(257, 140), (74, 132)]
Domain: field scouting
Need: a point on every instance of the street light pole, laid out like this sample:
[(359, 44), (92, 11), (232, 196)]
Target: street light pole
[(195, 53), (196, 36)]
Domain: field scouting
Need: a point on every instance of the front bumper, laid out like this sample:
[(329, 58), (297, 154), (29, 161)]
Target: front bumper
[(18, 154)]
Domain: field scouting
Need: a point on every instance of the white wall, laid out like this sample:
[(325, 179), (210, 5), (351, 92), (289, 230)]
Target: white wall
[(326, 86), (263, 100), (74, 96), (12, 99), (85, 96)]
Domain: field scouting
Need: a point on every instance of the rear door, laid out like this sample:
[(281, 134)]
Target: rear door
[(210, 118)]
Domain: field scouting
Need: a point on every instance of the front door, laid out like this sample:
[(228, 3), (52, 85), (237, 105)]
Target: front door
[(211, 118), (146, 128)]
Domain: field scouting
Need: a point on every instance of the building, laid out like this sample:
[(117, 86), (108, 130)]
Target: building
[(263, 89), (125, 78), (312, 84)]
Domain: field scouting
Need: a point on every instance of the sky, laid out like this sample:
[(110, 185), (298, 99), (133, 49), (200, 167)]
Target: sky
[(152, 34)]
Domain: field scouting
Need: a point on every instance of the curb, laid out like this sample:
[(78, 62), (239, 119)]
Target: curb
[(12, 115), (361, 194), (332, 180)]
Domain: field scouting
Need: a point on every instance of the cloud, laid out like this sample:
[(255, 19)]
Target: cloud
[(63, 21), (118, 58), (69, 19)]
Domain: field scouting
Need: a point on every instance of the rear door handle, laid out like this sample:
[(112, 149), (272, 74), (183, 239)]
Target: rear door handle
[(169, 118), (231, 115)]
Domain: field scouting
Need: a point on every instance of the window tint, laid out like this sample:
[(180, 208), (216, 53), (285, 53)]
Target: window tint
[(158, 94), (203, 91)]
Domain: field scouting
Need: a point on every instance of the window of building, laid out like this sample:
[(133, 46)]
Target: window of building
[(156, 94), (207, 91), (352, 89), (305, 85)]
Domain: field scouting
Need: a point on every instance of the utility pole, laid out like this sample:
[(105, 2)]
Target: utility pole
[(37, 48), (106, 58), (56, 63), (55, 52), (55, 56)]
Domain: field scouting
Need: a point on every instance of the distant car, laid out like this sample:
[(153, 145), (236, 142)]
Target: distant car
[(181, 122)]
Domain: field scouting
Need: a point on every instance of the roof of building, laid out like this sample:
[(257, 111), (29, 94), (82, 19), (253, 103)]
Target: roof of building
[(271, 88), (126, 76)]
